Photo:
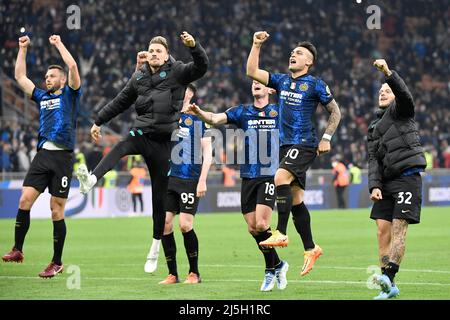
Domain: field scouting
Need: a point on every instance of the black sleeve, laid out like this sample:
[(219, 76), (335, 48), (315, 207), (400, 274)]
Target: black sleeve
[(189, 72), (404, 102), (375, 170), (119, 104)]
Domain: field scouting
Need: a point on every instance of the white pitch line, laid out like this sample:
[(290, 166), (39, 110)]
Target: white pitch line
[(239, 266), (243, 266), (243, 280)]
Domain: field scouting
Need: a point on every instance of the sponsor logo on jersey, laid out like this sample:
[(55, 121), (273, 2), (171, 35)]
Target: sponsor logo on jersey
[(51, 104), (288, 94), (261, 122)]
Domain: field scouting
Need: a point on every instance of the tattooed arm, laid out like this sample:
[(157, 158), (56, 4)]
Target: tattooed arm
[(333, 122)]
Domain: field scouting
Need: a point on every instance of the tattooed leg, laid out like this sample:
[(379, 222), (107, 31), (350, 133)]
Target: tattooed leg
[(384, 242), (399, 228)]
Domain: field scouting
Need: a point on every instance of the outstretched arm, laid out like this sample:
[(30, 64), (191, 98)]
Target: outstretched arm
[(253, 70), (333, 122), (208, 117), (404, 106), (192, 71), (20, 72), (74, 76)]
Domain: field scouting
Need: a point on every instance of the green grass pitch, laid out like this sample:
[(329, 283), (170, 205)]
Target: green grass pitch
[(110, 255)]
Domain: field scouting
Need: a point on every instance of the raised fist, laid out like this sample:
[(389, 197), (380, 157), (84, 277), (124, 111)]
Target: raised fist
[(382, 66), (259, 37), (24, 41), (141, 57), (187, 39), (54, 40)]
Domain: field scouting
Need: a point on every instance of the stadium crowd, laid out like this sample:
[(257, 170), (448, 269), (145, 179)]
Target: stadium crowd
[(414, 39)]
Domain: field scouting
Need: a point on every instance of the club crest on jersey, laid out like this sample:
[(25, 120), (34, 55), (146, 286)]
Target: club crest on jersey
[(273, 113), (293, 84), (304, 87), (188, 122)]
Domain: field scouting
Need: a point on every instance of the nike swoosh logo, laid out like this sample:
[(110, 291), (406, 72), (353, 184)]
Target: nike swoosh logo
[(404, 211), (288, 162), (267, 199), (188, 208), (62, 191)]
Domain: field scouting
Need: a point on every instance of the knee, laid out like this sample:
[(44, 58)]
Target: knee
[(168, 227), (383, 233), (297, 198), (279, 180), (185, 226), (57, 211), (282, 177), (261, 226), (252, 230), (25, 202)]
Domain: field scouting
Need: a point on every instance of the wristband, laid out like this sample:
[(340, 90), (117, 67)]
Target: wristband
[(327, 136)]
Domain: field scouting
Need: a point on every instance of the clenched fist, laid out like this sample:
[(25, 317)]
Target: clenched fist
[(382, 66), (142, 56), (324, 147), (187, 39), (24, 41), (54, 40), (96, 133), (376, 195), (260, 37)]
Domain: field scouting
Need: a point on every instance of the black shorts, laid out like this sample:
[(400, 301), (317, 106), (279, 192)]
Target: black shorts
[(257, 191), (182, 196), (52, 169), (297, 159), (402, 199)]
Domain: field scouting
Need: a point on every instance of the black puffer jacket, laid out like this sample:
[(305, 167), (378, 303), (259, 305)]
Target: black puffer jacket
[(158, 97), (393, 138)]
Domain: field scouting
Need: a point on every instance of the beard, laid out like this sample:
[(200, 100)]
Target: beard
[(54, 88)]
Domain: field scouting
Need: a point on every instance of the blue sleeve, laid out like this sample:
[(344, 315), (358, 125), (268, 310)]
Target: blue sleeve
[(37, 94), (323, 92), (75, 93), (234, 114), (275, 80)]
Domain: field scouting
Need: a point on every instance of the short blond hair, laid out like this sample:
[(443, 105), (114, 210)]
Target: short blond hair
[(159, 40)]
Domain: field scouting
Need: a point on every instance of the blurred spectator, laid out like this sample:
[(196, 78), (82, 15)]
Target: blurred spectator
[(340, 180), (110, 179), (229, 176), (355, 174), (136, 185), (414, 38)]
